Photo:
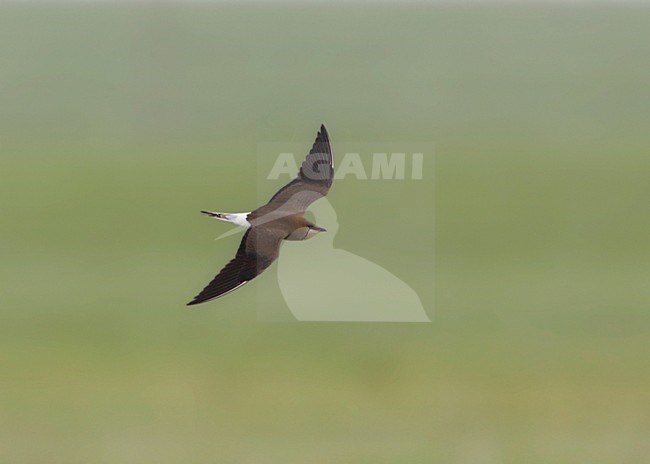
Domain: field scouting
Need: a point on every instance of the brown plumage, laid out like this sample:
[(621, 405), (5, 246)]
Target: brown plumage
[(282, 218)]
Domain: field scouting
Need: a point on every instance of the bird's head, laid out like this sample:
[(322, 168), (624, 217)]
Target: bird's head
[(313, 229)]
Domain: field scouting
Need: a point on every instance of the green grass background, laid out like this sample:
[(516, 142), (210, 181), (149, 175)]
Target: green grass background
[(118, 123)]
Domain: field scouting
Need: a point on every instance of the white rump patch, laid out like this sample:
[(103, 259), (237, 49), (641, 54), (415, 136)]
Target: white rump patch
[(238, 219)]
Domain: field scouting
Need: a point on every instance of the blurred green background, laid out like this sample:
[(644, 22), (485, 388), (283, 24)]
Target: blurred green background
[(118, 123)]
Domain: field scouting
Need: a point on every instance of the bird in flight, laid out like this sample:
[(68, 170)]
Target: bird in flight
[(282, 218)]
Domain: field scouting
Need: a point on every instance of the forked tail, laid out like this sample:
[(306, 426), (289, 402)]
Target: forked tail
[(221, 216)]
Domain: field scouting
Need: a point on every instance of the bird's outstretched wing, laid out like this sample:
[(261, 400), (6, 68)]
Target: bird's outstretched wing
[(257, 250), (313, 182)]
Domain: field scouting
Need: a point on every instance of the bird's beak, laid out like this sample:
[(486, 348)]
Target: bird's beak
[(320, 229)]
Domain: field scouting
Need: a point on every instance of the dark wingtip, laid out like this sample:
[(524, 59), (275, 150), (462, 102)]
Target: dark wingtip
[(323, 131), (193, 302)]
